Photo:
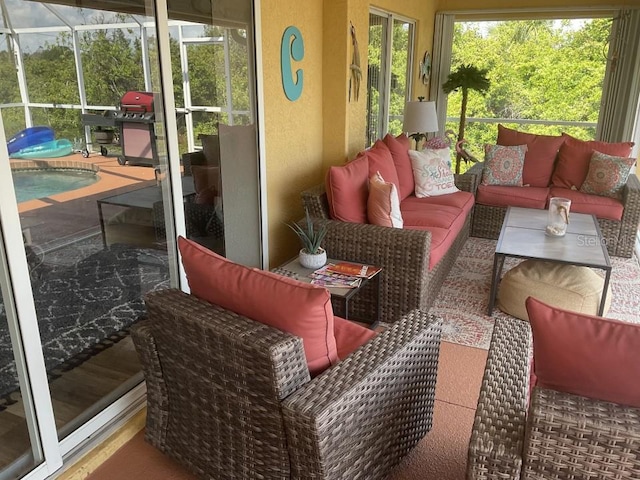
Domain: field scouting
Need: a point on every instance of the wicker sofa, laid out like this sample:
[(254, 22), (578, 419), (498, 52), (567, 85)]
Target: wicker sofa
[(229, 397), (407, 280), (559, 435)]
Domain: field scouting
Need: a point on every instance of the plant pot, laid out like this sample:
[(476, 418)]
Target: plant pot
[(312, 260)]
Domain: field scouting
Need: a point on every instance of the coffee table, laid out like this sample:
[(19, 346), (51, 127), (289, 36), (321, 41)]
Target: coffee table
[(523, 236)]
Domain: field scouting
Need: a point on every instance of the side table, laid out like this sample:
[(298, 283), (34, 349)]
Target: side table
[(340, 297)]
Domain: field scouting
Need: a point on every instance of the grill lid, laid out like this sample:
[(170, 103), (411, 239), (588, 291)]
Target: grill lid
[(137, 102)]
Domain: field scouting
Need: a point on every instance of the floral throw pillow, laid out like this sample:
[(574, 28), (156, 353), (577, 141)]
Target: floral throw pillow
[(503, 165), (431, 173), (607, 175)]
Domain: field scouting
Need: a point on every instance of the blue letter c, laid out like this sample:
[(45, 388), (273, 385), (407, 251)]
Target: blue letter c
[(291, 49)]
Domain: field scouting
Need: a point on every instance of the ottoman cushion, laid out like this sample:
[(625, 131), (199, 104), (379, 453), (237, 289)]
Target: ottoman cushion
[(578, 289)]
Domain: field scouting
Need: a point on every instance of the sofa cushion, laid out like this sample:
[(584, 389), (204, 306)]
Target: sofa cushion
[(585, 355), (422, 215), (347, 189), (383, 206), (501, 196), (542, 151), (431, 174), (302, 309), (461, 200), (503, 165), (574, 156), (350, 336), (601, 207), (380, 160), (206, 181), (400, 154), (607, 175)]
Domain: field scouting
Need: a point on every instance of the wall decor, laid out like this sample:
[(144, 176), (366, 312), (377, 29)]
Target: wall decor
[(292, 48), (356, 70), (425, 68)]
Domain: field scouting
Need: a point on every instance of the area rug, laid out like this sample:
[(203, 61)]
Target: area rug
[(464, 296), (86, 303)]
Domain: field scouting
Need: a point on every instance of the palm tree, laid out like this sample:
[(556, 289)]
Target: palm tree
[(466, 77)]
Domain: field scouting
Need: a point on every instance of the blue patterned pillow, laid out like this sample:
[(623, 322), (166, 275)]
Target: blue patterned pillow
[(503, 165)]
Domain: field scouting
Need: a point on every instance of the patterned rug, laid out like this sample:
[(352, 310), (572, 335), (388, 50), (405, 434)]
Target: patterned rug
[(464, 296), (84, 304)]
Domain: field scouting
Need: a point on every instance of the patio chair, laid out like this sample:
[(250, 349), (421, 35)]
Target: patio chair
[(229, 397), (558, 435)]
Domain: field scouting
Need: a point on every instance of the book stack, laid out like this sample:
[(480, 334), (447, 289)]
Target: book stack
[(343, 274)]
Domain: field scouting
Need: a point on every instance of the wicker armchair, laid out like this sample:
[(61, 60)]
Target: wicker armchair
[(561, 436), (406, 283), (620, 236), (232, 398)]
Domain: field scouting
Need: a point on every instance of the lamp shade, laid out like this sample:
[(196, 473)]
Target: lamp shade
[(420, 117)]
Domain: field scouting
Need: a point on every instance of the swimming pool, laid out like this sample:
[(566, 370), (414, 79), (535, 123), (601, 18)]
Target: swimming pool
[(31, 184)]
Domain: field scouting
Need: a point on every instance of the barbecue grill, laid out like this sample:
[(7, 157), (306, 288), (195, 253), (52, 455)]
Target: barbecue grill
[(135, 120)]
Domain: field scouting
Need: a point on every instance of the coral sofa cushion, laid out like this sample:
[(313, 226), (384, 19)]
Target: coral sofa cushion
[(574, 157), (607, 175), (502, 196), (423, 215), (585, 355), (380, 160), (347, 189), (542, 151), (383, 206), (400, 154), (601, 207), (464, 201), (350, 336), (503, 165), (295, 307), (441, 238)]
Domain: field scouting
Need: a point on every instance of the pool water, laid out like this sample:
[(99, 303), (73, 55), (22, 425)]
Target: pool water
[(30, 184)]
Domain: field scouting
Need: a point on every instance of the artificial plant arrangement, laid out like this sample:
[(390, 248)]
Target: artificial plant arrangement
[(312, 255), (465, 78)]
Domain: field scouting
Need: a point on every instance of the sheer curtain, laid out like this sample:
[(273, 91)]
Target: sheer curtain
[(441, 65), (621, 90)]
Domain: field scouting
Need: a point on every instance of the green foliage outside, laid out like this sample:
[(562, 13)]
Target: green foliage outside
[(538, 69), (112, 65)]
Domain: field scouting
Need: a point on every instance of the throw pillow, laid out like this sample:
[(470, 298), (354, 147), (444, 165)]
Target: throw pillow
[(574, 157), (444, 153), (381, 160), (503, 165), (348, 190), (302, 309), (585, 355), (607, 175), (542, 151), (400, 154), (431, 174), (206, 180), (383, 207)]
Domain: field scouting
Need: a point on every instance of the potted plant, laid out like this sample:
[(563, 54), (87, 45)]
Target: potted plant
[(465, 78), (311, 255)]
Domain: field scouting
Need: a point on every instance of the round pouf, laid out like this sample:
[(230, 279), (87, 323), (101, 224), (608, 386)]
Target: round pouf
[(570, 287)]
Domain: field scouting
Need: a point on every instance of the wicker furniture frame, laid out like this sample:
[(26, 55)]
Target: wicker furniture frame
[(231, 398), (406, 281), (562, 436), (620, 236)]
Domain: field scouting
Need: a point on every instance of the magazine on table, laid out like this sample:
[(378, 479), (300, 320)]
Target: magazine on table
[(352, 269), (331, 279)]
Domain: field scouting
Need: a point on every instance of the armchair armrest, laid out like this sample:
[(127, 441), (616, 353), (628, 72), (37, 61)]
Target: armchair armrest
[(357, 419), (402, 253), (495, 449)]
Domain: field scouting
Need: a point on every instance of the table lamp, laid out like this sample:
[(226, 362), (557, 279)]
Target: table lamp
[(419, 119)]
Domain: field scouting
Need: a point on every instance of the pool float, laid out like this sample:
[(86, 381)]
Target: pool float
[(29, 137), (51, 149)]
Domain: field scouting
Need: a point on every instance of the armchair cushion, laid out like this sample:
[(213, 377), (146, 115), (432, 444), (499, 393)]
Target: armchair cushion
[(574, 156), (298, 308), (350, 336), (540, 157), (585, 355), (348, 190)]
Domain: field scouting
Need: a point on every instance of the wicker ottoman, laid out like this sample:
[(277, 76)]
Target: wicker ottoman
[(565, 286)]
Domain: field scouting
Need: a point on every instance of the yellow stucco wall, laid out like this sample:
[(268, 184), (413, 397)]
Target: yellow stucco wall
[(322, 128)]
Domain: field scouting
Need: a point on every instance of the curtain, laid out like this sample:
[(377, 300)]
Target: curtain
[(621, 90), (441, 65)]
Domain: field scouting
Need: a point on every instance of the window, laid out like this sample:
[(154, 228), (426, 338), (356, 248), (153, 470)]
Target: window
[(389, 77)]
